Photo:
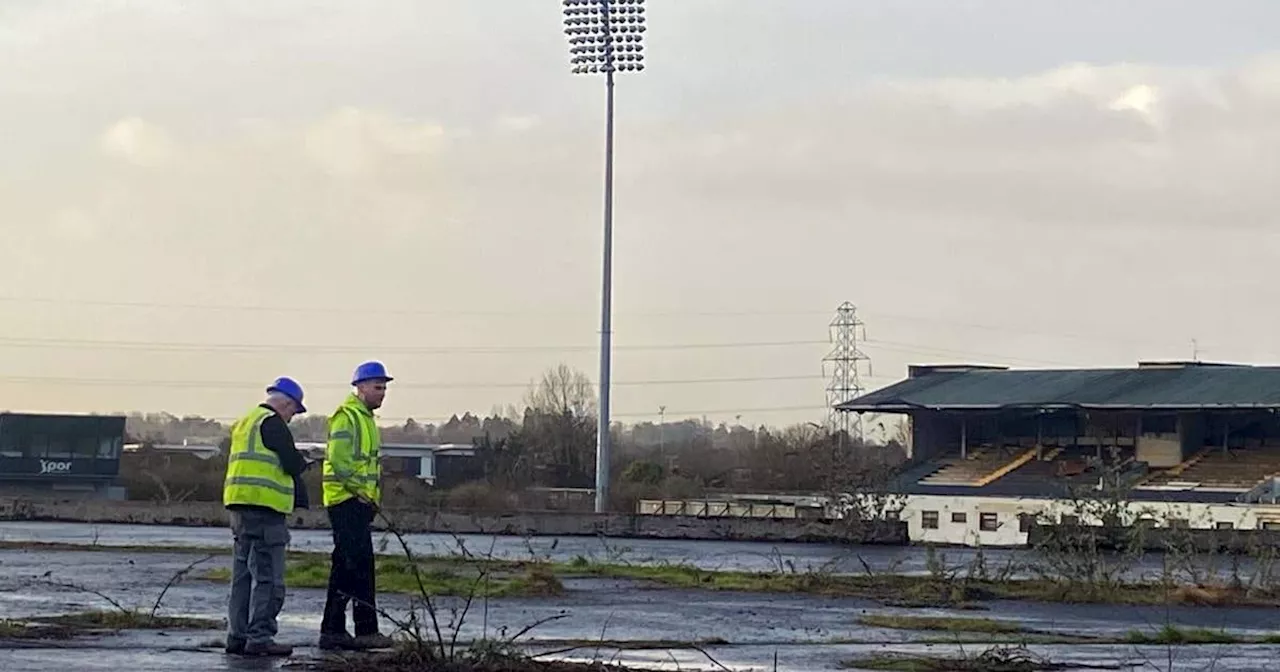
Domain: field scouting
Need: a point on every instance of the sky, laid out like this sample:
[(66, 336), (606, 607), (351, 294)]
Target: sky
[(198, 197)]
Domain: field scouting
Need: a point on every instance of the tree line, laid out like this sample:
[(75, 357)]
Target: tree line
[(550, 441)]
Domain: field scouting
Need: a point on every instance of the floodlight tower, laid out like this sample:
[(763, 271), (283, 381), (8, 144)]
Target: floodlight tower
[(605, 38)]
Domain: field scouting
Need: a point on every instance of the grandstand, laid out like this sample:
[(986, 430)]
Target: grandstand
[(1185, 431)]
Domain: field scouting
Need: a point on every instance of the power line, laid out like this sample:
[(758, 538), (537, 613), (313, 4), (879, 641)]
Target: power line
[(1096, 338), (316, 310), (229, 384), (915, 348), (158, 346), (437, 419)]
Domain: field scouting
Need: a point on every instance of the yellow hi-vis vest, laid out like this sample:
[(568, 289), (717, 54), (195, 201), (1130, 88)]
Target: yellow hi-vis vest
[(351, 458), (254, 474)]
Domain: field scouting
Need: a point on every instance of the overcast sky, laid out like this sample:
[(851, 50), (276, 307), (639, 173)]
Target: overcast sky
[(199, 196)]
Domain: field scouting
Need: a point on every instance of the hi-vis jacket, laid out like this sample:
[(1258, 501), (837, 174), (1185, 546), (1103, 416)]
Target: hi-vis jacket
[(254, 475), (351, 461)]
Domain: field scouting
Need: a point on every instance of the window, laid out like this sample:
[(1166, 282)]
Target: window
[(1271, 525), (959, 517), (1025, 522), (9, 445), (988, 522), (929, 520), (109, 448), (85, 447), (37, 445), (1070, 521), (1177, 524), (1225, 525), (60, 447)]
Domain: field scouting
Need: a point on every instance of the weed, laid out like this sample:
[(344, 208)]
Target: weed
[(1171, 634), (10, 629), (995, 659), (122, 617), (127, 620)]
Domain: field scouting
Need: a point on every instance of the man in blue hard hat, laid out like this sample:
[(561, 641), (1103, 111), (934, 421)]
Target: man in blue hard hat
[(352, 495), (262, 487)]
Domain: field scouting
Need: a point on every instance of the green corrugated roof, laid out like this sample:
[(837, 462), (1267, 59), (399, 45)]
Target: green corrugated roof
[(1181, 387)]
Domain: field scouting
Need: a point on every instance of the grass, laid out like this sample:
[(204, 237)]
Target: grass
[(995, 659), (440, 576), (941, 624), (453, 575), (127, 620), (962, 630), (911, 591), (10, 629), (1171, 634)]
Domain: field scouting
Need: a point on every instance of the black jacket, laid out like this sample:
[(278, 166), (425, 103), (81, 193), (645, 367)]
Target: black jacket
[(277, 438)]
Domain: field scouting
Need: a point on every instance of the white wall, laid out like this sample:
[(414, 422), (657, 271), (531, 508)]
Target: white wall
[(1006, 510)]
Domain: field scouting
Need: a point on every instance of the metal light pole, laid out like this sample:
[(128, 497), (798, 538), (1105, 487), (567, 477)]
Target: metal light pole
[(605, 37), (662, 430)]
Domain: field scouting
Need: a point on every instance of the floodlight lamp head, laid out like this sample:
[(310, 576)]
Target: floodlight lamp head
[(605, 35)]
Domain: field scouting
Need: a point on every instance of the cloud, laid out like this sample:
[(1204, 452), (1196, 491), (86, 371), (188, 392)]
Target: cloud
[(518, 123), (1079, 145), (353, 142), (138, 142), (75, 225)]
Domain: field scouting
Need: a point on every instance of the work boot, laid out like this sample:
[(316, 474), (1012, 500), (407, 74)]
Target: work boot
[(267, 649), (337, 641), (375, 640), (235, 647)]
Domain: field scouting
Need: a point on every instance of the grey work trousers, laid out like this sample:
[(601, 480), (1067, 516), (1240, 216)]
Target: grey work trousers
[(257, 575)]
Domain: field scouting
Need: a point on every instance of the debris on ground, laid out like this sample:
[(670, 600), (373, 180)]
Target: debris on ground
[(128, 620), (996, 659), (426, 657)]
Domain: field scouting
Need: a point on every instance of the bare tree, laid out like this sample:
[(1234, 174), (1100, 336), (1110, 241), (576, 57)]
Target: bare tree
[(562, 390)]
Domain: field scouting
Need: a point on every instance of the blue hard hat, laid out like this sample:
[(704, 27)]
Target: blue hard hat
[(289, 388), (370, 371)]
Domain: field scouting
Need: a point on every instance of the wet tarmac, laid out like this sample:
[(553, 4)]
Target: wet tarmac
[(711, 555), (805, 632)]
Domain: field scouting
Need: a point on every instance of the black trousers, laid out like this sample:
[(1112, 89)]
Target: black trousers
[(351, 572)]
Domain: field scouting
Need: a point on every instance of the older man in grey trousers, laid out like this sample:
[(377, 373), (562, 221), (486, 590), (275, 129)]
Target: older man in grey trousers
[(263, 486)]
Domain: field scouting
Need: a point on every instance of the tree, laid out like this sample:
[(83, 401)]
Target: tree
[(559, 432), (562, 391)]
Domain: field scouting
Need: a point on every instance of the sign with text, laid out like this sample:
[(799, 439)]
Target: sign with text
[(55, 466), (58, 467)]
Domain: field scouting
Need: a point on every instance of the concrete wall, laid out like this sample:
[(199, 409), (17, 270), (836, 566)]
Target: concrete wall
[(1163, 539), (1010, 533), (211, 514)]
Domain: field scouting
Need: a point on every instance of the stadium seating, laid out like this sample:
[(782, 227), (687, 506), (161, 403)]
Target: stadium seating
[(1055, 465), (1215, 469), (973, 470)]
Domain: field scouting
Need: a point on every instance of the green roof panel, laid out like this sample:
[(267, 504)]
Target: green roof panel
[(1174, 387)]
